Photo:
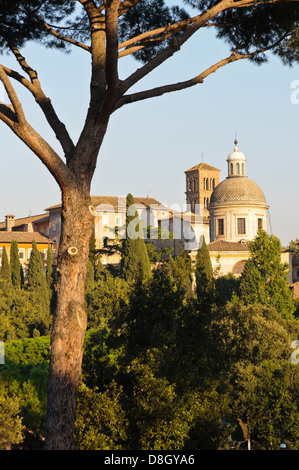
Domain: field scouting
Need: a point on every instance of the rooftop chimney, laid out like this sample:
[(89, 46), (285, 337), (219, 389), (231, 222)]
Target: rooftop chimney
[(10, 222)]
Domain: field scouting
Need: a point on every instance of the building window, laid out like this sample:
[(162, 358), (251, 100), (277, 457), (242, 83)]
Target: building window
[(241, 226), (105, 220), (220, 227), (118, 220), (206, 202), (206, 183), (238, 168), (22, 254), (260, 224), (212, 184)]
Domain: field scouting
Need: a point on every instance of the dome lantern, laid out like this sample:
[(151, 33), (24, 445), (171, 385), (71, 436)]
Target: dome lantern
[(236, 162)]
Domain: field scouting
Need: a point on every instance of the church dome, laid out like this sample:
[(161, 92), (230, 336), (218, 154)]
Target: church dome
[(237, 191)]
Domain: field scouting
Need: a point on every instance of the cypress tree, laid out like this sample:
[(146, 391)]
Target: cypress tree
[(5, 272), (15, 265), (135, 263), (36, 273), (205, 286), (39, 292), (49, 269)]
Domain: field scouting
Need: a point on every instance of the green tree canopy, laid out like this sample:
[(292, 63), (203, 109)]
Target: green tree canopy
[(108, 31), (252, 347), (264, 278)]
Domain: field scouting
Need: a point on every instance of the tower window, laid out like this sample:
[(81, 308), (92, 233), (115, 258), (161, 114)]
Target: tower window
[(212, 184), (260, 224), (220, 227), (206, 183), (241, 226), (238, 168), (231, 169)]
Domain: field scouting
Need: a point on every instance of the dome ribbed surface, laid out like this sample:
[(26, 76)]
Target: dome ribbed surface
[(238, 190)]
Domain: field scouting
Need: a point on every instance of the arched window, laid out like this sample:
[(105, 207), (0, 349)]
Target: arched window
[(231, 169), (238, 168), (238, 267)]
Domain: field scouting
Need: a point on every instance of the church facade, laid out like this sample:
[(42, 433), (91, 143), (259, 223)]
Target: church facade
[(233, 210)]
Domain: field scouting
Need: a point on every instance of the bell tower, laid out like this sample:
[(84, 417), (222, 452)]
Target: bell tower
[(201, 180)]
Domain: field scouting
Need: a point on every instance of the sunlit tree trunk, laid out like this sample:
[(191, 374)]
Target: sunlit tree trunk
[(69, 323)]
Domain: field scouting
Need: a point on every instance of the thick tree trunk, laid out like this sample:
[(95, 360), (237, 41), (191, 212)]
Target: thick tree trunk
[(69, 323)]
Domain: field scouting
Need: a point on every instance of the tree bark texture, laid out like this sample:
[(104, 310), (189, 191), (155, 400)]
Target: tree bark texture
[(69, 323)]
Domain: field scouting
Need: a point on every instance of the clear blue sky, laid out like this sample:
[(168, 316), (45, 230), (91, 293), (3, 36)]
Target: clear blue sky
[(150, 144)]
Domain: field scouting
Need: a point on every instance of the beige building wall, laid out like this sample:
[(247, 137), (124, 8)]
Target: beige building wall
[(254, 218)]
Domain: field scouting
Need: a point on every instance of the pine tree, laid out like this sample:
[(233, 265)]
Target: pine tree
[(5, 272), (15, 265), (135, 263), (205, 286), (264, 278)]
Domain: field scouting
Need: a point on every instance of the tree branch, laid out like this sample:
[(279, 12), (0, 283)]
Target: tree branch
[(42, 100), (159, 91), (65, 38), (158, 31), (112, 43), (63, 176), (16, 104), (126, 5), (14, 118), (176, 44)]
